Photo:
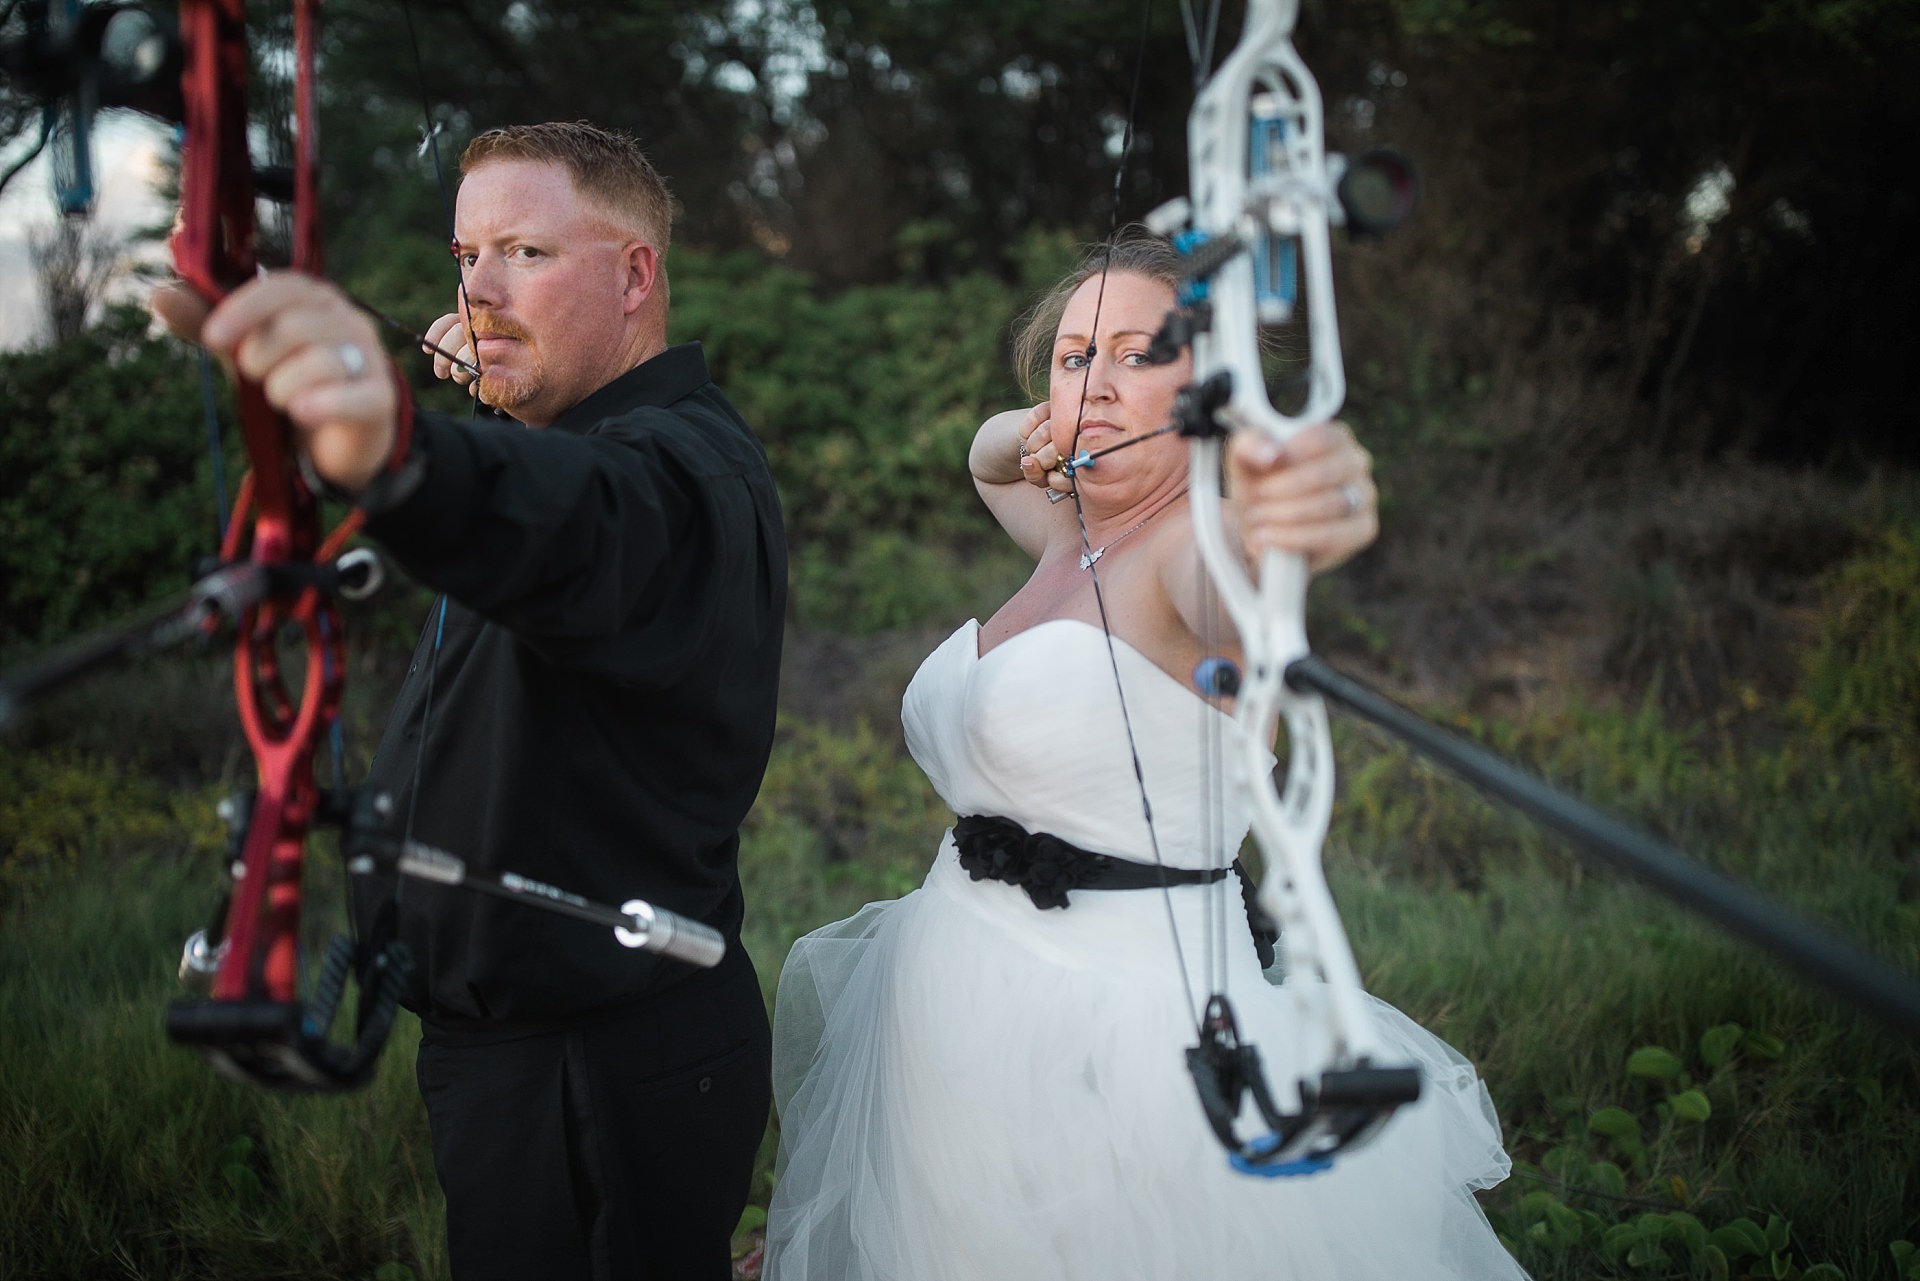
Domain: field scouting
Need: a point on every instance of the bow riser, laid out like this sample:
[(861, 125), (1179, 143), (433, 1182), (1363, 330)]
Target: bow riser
[(1273, 195), (216, 250), (1258, 232)]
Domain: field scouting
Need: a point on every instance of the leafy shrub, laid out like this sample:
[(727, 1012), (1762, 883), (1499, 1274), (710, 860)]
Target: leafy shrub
[(106, 491), (62, 814), (1863, 677), (1632, 1207), (867, 402)]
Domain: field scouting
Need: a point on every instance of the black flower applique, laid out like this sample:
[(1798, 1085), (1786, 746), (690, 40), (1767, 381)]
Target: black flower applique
[(1040, 863)]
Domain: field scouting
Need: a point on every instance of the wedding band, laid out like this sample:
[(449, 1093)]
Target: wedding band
[(353, 361), (1352, 494)]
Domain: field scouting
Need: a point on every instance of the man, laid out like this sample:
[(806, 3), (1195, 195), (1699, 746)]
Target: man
[(591, 705)]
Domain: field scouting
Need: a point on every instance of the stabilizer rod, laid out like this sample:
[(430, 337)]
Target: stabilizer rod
[(1849, 972)]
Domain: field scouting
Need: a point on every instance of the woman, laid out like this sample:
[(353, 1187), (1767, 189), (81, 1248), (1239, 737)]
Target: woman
[(976, 1086)]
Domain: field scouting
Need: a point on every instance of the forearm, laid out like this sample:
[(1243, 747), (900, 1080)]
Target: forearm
[(549, 534), (995, 456)]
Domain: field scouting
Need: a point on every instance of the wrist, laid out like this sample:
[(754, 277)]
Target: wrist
[(999, 448), (406, 464), (397, 477)]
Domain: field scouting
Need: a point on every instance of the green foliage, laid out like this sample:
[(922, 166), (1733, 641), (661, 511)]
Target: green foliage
[(887, 580), (1689, 1233), (62, 814), (1863, 681), (1746, 1121), (867, 401), (844, 817), (122, 1154), (105, 489), (1465, 21)]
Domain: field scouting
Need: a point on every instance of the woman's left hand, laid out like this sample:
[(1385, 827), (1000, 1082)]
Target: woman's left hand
[(1313, 496)]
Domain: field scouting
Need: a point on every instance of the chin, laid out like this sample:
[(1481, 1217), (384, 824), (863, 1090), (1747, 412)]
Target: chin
[(509, 394)]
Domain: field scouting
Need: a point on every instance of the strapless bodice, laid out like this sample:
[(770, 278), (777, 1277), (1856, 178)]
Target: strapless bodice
[(1035, 731)]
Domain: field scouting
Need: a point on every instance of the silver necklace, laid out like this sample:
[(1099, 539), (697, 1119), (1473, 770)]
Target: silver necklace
[(1088, 558)]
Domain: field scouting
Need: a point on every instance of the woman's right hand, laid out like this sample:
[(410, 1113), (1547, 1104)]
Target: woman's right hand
[(444, 333), (1039, 457)]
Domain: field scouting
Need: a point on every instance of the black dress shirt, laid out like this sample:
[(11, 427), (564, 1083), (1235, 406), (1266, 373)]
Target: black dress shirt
[(599, 707)]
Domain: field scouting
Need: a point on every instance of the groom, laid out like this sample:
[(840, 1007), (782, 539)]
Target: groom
[(592, 705)]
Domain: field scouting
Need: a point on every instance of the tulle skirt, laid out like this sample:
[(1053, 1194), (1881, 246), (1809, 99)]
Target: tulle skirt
[(972, 1088)]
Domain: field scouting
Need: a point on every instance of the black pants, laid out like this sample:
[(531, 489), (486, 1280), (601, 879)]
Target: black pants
[(621, 1148)]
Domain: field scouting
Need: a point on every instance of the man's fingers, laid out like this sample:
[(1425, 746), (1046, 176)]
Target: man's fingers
[(442, 331), (180, 309), (449, 335), (316, 365)]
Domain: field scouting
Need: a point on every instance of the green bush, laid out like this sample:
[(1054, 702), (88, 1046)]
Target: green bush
[(106, 491), (1863, 677)]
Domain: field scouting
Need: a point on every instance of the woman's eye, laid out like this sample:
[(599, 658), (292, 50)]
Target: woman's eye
[(1074, 360)]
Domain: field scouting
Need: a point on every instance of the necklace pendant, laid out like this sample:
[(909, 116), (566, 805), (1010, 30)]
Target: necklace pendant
[(1087, 558)]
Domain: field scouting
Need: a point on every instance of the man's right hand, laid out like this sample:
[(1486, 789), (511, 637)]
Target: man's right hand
[(444, 333)]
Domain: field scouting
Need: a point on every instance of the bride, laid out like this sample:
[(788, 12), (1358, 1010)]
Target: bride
[(986, 1079)]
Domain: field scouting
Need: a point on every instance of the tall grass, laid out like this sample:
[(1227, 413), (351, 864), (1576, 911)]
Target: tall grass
[(123, 1156)]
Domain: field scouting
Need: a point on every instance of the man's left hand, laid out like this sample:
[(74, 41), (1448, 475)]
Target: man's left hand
[(317, 358)]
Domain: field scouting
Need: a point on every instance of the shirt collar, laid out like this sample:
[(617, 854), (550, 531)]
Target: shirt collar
[(672, 375)]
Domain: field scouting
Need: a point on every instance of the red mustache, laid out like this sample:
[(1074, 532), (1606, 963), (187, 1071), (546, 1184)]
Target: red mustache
[(497, 327)]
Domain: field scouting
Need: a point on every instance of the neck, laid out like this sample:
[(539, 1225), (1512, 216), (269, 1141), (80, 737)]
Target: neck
[(1104, 525)]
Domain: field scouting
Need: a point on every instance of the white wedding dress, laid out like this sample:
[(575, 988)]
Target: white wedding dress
[(972, 1088)]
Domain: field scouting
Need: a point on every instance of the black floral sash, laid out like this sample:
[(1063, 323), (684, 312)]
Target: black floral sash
[(1046, 867)]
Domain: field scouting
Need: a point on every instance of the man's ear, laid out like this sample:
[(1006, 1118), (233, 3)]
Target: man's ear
[(642, 263)]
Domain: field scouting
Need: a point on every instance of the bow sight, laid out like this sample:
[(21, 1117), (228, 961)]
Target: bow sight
[(78, 59), (1293, 193)]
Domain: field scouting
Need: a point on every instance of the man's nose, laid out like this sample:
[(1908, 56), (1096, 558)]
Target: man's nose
[(481, 284)]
